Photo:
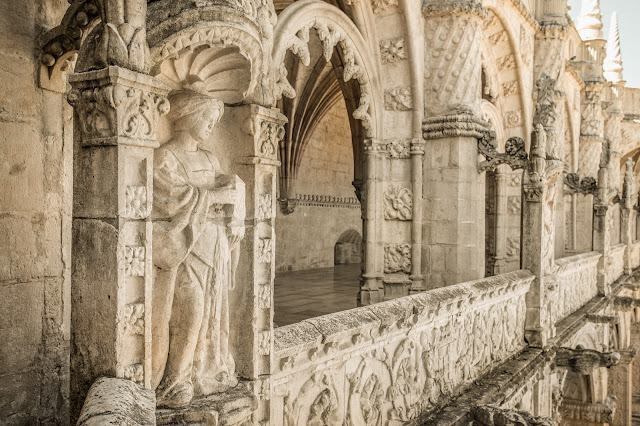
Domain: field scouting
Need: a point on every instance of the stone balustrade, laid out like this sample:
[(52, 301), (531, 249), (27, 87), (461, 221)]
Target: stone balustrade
[(615, 262), (396, 359), (574, 283)]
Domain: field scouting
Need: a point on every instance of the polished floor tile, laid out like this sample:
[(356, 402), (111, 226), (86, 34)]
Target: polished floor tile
[(306, 294)]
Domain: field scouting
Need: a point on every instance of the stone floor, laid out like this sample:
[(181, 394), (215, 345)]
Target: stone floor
[(305, 294)]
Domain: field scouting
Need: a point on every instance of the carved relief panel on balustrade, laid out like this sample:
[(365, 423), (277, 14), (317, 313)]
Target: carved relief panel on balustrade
[(396, 359)]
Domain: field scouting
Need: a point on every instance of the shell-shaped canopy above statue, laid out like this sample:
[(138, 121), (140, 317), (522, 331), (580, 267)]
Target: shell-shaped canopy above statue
[(221, 71)]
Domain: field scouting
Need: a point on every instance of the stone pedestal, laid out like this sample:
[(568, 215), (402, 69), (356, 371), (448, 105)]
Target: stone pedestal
[(255, 132), (116, 111)]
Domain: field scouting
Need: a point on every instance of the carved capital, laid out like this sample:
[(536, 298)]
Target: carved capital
[(600, 209), (118, 106), (584, 361)]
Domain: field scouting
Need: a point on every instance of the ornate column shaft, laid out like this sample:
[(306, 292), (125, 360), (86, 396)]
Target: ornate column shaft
[(453, 190), (417, 157), (601, 211), (501, 223), (251, 316), (620, 385), (538, 217), (371, 285), (116, 111), (626, 215)]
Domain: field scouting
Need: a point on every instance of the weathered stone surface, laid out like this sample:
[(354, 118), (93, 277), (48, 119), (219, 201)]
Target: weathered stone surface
[(118, 402)]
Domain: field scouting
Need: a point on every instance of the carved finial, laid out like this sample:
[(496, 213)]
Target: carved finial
[(613, 63), (589, 22)]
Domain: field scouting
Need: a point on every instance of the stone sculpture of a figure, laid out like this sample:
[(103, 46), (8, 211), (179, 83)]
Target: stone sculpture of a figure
[(198, 224)]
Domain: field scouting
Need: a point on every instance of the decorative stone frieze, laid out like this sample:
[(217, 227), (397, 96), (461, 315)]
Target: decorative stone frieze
[(393, 50), (412, 367), (454, 125), (398, 204), (589, 412)]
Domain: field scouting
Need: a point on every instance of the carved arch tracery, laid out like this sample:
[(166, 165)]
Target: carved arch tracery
[(343, 69)]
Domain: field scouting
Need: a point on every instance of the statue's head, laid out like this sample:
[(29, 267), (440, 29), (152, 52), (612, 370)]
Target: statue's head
[(194, 112)]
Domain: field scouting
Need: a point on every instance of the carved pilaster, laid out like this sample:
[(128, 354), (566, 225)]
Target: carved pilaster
[(538, 216), (591, 130), (116, 113), (601, 231), (371, 286)]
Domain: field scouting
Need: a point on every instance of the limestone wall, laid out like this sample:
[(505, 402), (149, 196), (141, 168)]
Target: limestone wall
[(328, 206), (398, 358), (35, 224)]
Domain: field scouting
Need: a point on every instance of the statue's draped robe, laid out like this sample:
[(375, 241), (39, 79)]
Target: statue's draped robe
[(193, 274)]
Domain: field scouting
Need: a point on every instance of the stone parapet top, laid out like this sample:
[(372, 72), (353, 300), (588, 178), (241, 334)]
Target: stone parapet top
[(399, 314), (571, 263)]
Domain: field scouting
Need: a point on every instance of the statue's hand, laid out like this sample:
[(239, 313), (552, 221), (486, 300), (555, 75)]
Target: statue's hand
[(235, 233)]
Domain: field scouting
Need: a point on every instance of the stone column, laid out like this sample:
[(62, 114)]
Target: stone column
[(115, 116), (501, 223), (620, 385), (626, 215), (371, 285), (417, 157), (538, 217), (601, 210), (453, 190)]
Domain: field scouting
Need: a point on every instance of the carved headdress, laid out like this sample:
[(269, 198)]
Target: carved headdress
[(189, 105)]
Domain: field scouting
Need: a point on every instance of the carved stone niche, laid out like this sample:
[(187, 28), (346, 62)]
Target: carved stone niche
[(584, 361)]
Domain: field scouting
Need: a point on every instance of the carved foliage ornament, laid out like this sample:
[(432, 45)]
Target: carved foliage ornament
[(393, 50), (397, 258), (398, 99), (574, 185), (269, 138), (398, 204), (117, 111), (515, 154)]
